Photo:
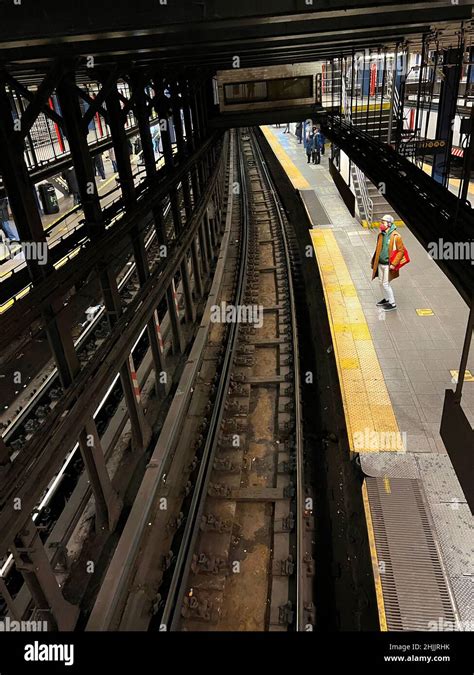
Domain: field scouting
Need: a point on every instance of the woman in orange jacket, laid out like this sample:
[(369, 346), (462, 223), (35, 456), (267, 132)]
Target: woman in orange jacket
[(388, 240)]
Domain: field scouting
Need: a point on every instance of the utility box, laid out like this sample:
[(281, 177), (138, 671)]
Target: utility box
[(48, 198)]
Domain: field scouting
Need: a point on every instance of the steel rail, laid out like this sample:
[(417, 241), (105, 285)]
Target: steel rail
[(172, 610), (299, 444)]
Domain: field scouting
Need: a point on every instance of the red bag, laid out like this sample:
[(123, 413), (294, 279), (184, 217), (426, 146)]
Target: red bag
[(405, 257)]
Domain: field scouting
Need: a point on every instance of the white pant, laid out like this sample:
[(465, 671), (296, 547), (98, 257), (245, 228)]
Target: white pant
[(385, 283)]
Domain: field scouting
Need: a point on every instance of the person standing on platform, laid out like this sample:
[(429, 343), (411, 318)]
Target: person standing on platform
[(287, 128), (113, 159), (384, 264), (99, 166), (73, 186), (299, 131), (309, 146), (322, 141), (316, 156), (7, 225)]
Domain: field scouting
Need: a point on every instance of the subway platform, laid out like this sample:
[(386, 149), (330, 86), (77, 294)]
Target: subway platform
[(59, 226), (393, 371)]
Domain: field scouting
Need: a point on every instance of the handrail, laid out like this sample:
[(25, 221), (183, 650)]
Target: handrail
[(367, 203)]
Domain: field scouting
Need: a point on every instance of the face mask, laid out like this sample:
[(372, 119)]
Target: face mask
[(383, 227)]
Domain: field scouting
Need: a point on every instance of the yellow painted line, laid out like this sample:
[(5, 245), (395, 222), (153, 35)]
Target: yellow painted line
[(372, 106), (66, 213), (7, 305), (370, 419), (425, 312), (468, 376), (54, 222), (298, 181), (64, 260), (22, 293), (375, 561)]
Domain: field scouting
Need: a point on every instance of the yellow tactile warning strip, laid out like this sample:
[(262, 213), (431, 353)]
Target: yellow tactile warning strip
[(299, 182), (375, 561), (370, 420)]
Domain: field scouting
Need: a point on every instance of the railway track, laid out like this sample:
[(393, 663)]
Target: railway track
[(218, 536), (243, 562)]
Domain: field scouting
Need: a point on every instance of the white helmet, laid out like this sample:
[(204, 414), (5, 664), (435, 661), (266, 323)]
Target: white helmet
[(388, 218)]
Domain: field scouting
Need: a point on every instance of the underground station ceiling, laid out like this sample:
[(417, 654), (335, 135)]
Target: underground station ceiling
[(176, 34)]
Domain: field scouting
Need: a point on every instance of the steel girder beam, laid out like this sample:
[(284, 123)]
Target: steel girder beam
[(95, 104), (251, 118), (30, 97), (20, 192), (41, 97), (60, 165), (233, 25), (77, 138), (430, 210), (115, 241), (108, 504), (177, 101), (142, 115), (32, 561), (164, 108), (138, 97), (44, 453), (77, 134), (447, 112), (122, 157)]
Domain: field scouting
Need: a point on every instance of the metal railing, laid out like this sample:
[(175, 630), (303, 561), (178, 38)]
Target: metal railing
[(365, 203)]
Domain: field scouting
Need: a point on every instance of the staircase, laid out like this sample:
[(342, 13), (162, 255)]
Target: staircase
[(380, 205), (60, 184), (376, 122), (371, 203)]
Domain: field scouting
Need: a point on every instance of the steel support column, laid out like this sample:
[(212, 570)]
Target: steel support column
[(447, 112), (141, 113), (4, 454), (186, 185), (122, 157), (195, 183), (31, 560), (108, 504), (163, 112), (77, 137), (23, 203)]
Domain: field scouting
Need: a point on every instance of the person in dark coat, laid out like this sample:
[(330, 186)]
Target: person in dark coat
[(309, 145), (73, 186), (299, 131), (316, 156), (322, 141), (99, 166)]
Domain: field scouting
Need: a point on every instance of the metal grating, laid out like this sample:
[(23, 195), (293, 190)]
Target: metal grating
[(396, 464), (415, 591)]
